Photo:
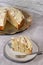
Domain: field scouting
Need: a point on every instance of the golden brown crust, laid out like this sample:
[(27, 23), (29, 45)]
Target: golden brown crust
[(21, 24), (1, 28)]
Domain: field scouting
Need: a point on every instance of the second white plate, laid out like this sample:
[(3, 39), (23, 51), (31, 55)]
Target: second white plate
[(10, 54)]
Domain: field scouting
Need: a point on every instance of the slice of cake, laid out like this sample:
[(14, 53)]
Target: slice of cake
[(16, 17), (3, 15), (21, 44)]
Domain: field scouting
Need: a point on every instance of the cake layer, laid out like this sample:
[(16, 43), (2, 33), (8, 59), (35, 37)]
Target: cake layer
[(22, 44)]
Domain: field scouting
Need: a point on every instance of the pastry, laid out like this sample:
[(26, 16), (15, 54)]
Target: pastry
[(21, 44), (16, 17)]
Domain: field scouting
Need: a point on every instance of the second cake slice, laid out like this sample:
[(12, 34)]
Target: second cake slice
[(21, 44)]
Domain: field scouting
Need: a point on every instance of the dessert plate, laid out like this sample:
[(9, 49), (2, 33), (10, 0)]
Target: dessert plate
[(10, 29), (11, 55)]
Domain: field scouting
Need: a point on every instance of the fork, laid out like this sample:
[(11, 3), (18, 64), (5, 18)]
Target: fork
[(22, 56)]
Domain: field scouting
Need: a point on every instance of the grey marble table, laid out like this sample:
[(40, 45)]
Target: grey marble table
[(35, 32)]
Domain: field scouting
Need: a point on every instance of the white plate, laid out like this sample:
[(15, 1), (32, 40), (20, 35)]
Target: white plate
[(10, 54)]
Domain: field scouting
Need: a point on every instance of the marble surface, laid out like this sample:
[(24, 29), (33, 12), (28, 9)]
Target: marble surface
[(34, 5), (35, 32)]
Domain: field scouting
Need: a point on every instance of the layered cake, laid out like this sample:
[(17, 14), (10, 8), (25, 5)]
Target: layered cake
[(21, 44), (16, 17)]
